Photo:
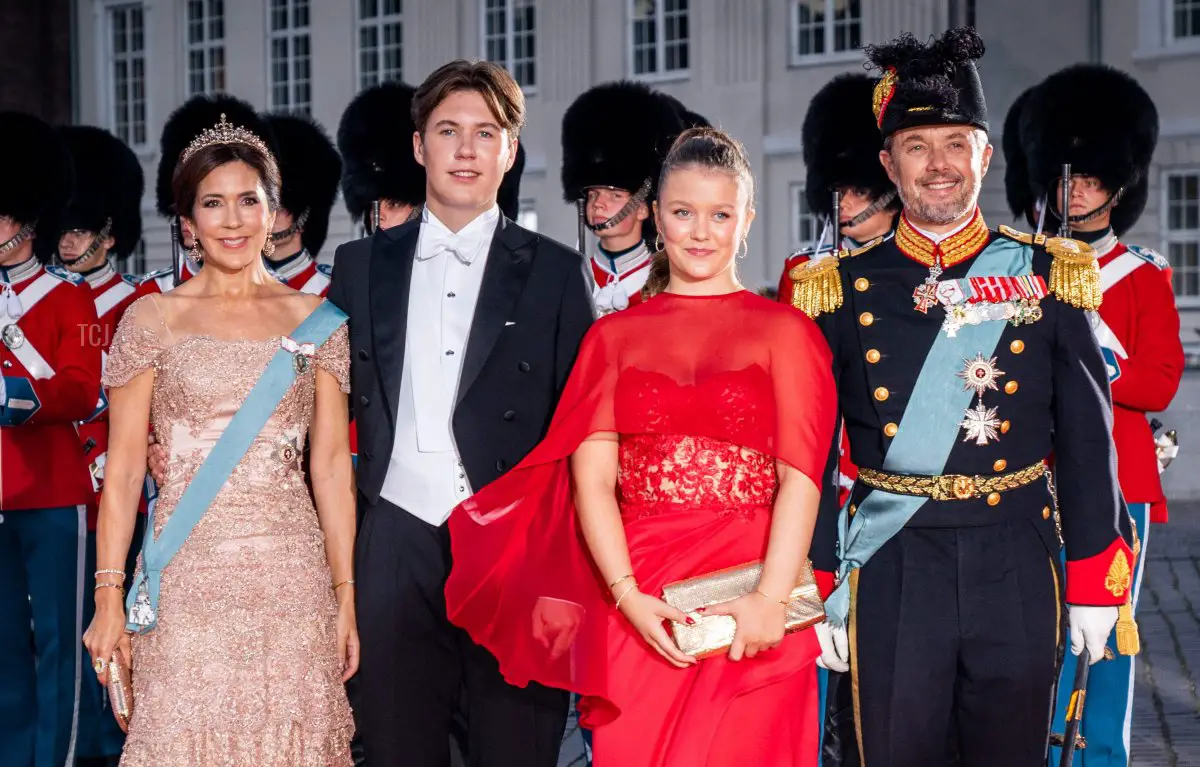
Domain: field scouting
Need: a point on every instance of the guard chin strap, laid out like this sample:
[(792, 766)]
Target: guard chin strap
[(1108, 205), (880, 202), (90, 253), (637, 199), (297, 226), (21, 236)]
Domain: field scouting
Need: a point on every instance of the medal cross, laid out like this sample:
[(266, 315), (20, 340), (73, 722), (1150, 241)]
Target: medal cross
[(925, 296)]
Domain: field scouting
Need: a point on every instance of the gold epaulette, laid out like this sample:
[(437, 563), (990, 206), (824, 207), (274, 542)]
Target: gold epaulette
[(1074, 273), (817, 284)]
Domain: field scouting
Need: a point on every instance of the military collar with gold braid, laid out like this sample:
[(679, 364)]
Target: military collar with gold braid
[(955, 249), (1074, 273)]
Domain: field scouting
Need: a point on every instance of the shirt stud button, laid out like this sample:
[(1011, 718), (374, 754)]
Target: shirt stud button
[(451, 294), (449, 352)]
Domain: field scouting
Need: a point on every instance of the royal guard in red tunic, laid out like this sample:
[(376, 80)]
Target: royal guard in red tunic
[(610, 170), (102, 224), (1137, 325), (51, 379)]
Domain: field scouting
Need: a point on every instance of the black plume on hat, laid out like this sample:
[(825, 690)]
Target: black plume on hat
[(108, 185), (1059, 126), (309, 167), (198, 114), (509, 198), (1021, 200), (375, 139), (38, 173), (616, 134), (933, 83), (841, 143)]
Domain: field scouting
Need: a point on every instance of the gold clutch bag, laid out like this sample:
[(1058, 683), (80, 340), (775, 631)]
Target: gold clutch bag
[(120, 690), (713, 634)]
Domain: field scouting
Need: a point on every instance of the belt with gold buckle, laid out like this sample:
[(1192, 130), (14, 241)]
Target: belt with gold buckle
[(950, 487)]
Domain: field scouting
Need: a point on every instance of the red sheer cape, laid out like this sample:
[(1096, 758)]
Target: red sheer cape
[(738, 368)]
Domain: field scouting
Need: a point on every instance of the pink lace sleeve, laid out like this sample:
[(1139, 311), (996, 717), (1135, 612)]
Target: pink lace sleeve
[(334, 357), (137, 344)]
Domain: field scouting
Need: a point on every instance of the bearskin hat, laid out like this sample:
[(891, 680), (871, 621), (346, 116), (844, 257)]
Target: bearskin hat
[(841, 143), (375, 139), (197, 114), (616, 134), (39, 172), (509, 198), (1057, 128), (933, 83), (108, 185), (310, 168), (1021, 200), (687, 117)]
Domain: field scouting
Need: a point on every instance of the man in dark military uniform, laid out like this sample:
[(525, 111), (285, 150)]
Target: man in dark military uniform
[(1137, 326), (613, 168), (964, 358)]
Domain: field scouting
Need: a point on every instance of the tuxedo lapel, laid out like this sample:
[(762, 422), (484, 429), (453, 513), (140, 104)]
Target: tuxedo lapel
[(508, 263), (390, 280)]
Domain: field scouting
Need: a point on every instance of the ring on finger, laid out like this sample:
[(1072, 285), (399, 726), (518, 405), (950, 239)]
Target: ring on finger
[(98, 665)]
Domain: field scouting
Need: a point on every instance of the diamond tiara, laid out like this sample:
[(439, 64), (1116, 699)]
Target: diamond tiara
[(224, 132)]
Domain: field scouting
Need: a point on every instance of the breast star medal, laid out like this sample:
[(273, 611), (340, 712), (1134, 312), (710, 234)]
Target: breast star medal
[(981, 422)]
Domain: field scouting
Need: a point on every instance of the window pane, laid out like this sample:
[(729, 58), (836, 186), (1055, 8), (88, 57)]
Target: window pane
[(1186, 19), (368, 9), (810, 27), (847, 25)]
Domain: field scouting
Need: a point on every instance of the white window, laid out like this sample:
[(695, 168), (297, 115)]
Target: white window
[(127, 55), (804, 222), (509, 38), (380, 42), (527, 214), (290, 72), (205, 43), (1185, 19), (1181, 230), (659, 37), (821, 27)]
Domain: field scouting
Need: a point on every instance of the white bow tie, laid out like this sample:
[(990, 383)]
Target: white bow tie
[(454, 246)]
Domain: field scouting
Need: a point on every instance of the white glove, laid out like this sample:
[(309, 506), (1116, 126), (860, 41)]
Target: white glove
[(835, 647), (1090, 626)]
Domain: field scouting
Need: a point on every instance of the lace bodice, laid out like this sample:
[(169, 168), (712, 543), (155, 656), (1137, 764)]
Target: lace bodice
[(199, 383)]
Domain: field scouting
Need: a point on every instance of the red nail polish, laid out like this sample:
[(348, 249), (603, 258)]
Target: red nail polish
[(700, 609), (691, 621)]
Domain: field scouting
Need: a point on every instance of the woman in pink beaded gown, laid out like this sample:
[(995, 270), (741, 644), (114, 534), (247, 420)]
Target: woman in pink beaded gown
[(690, 438), (255, 630)]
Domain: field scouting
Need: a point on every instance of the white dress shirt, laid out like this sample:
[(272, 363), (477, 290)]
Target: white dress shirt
[(937, 237), (425, 476)]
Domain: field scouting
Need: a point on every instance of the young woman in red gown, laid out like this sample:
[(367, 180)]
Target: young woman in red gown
[(690, 437)]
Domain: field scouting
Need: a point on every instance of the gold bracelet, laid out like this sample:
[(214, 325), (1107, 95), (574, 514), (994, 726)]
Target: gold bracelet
[(771, 598), (618, 580), (118, 586), (624, 594), (348, 581)]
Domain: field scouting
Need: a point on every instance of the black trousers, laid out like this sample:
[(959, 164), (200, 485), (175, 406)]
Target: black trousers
[(955, 634), (419, 671)]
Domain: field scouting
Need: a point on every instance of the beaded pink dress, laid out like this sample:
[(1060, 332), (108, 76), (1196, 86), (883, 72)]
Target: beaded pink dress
[(242, 667)]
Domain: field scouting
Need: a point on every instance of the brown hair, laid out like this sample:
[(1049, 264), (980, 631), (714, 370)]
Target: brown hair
[(499, 90), (185, 182), (708, 149)]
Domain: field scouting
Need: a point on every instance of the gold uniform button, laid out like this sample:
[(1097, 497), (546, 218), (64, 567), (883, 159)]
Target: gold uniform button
[(861, 284), (1000, 465), (866, 319), (1005, 426), (1011, 387), (993, 499), (882, 394), (1046, 512), (853, 509), (1017, 346), (873, 356), (891, 429)]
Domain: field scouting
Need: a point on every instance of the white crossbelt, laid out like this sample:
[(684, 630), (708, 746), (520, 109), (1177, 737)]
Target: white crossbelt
[(315, 284), (25, 353), (113, 296), (1110, 274)]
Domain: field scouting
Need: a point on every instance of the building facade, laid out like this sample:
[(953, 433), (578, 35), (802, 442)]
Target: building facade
[(749, 66)]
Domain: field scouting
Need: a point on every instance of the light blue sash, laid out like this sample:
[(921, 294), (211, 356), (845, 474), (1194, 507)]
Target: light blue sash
[(244, 427), (928, 429)]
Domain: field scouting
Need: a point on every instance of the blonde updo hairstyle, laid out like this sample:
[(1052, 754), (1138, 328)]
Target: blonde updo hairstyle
[(704, 148)]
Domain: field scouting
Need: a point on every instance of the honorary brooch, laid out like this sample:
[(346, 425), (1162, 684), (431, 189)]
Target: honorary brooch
[(301, 353)]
